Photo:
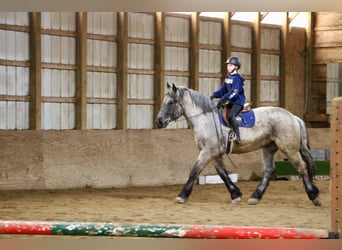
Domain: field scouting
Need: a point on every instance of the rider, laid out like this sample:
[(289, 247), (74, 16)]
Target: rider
[(232, 90)]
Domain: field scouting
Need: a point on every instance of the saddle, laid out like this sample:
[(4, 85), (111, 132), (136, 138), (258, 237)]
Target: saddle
[(246, 116)]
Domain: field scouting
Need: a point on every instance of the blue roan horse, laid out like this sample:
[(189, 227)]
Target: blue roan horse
[(275, 129)]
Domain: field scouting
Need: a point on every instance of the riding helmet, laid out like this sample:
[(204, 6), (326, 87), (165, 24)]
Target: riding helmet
[(234, 60)]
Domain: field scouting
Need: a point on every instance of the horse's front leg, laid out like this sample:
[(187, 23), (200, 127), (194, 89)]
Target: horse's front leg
[(202, 161), (268, 158), (234, 191)]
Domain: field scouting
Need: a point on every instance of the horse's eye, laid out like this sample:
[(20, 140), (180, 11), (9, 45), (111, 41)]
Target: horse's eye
[(171, 102)]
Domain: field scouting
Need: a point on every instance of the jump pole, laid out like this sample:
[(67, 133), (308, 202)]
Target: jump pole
[(154, 230)]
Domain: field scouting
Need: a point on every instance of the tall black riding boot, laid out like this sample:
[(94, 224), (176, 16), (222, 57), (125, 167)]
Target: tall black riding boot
[(235, 126)]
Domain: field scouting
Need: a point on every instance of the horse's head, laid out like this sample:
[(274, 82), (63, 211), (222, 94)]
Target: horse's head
[(171, 108)]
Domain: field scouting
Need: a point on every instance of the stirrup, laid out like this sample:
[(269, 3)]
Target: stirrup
[(233, 137), (230, 142)]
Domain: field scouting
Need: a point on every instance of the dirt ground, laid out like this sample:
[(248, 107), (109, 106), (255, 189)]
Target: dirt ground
[(285, 204)]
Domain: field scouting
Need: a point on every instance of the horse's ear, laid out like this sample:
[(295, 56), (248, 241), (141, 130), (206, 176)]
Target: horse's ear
[(168, 85), (174, 88)]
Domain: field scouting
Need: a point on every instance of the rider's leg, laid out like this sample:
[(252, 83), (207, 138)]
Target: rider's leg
[(233, 122)]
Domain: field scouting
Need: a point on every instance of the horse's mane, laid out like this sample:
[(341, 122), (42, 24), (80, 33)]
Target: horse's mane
[(198, 99)]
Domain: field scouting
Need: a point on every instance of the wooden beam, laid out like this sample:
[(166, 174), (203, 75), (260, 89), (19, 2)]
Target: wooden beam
[(308, 65), (194, 51), (81, 70), (226, 41), (284, 33), (35, 71), (256, 75), (159, 62), (122, 77)]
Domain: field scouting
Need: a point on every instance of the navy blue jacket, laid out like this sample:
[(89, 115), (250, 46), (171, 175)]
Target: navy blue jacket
[(232, 90)]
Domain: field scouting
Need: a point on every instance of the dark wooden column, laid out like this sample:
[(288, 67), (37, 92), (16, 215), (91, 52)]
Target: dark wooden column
[(194, 51), (122, 70), (283, 60), (256, 78), (159, 62), (35, 71), (81, 70), (226, 42)]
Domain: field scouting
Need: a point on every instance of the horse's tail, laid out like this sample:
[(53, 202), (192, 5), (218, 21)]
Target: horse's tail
[(305, 148)]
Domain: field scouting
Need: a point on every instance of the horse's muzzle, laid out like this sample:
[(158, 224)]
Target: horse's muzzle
[(161, 123)]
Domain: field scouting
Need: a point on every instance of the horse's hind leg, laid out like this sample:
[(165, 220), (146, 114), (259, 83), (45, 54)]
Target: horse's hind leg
[(234, 191), (310, 188), (268, 155)]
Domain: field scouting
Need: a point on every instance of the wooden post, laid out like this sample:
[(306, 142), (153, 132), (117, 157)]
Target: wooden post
[(226, 42), (81, 70), (159, 62), (336, 165), (256, 77), (35, 71), (283, 60), (122, 67), (194, 51)]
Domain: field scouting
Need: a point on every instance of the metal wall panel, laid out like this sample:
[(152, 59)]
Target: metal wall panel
[(334, 83), (14, 80), (241, 36), (210, 61), (177, 29), (176, 58), (210, 33), (208, 85), (140, 116), (58, 49), (14, 18), (141, 25), (140, 86), (269, 65), (101, 84), (58, 21), (101, 53), (140, 56), (102, 23), (269, 92), (270, 39)]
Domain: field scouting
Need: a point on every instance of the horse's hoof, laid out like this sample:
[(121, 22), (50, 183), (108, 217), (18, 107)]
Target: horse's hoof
[(180, 200), (253, 201), (236, 200), (317, 202)]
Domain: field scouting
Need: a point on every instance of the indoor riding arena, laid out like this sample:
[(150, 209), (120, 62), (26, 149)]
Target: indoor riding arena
[(81, 153)]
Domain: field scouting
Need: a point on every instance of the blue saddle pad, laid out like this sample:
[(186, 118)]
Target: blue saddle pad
[(247, 119)]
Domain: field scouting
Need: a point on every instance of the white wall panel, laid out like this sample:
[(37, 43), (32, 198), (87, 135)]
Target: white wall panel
[(102, 23), (176, 58), (208, 85), (246, 62), (177, 29), (270, 39), (58, 20), (140, 56), (57, 49), (101, 85), (14, 45), (14, 115), (210, 33), (209, 61), (269, 91), (140, 117), (101, 53), (101, 116), (269, 65), (241, 36), (14, 18), (140, 86), (141, 25)]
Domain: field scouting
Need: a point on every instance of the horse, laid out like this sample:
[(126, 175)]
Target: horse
[(275, 129)]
